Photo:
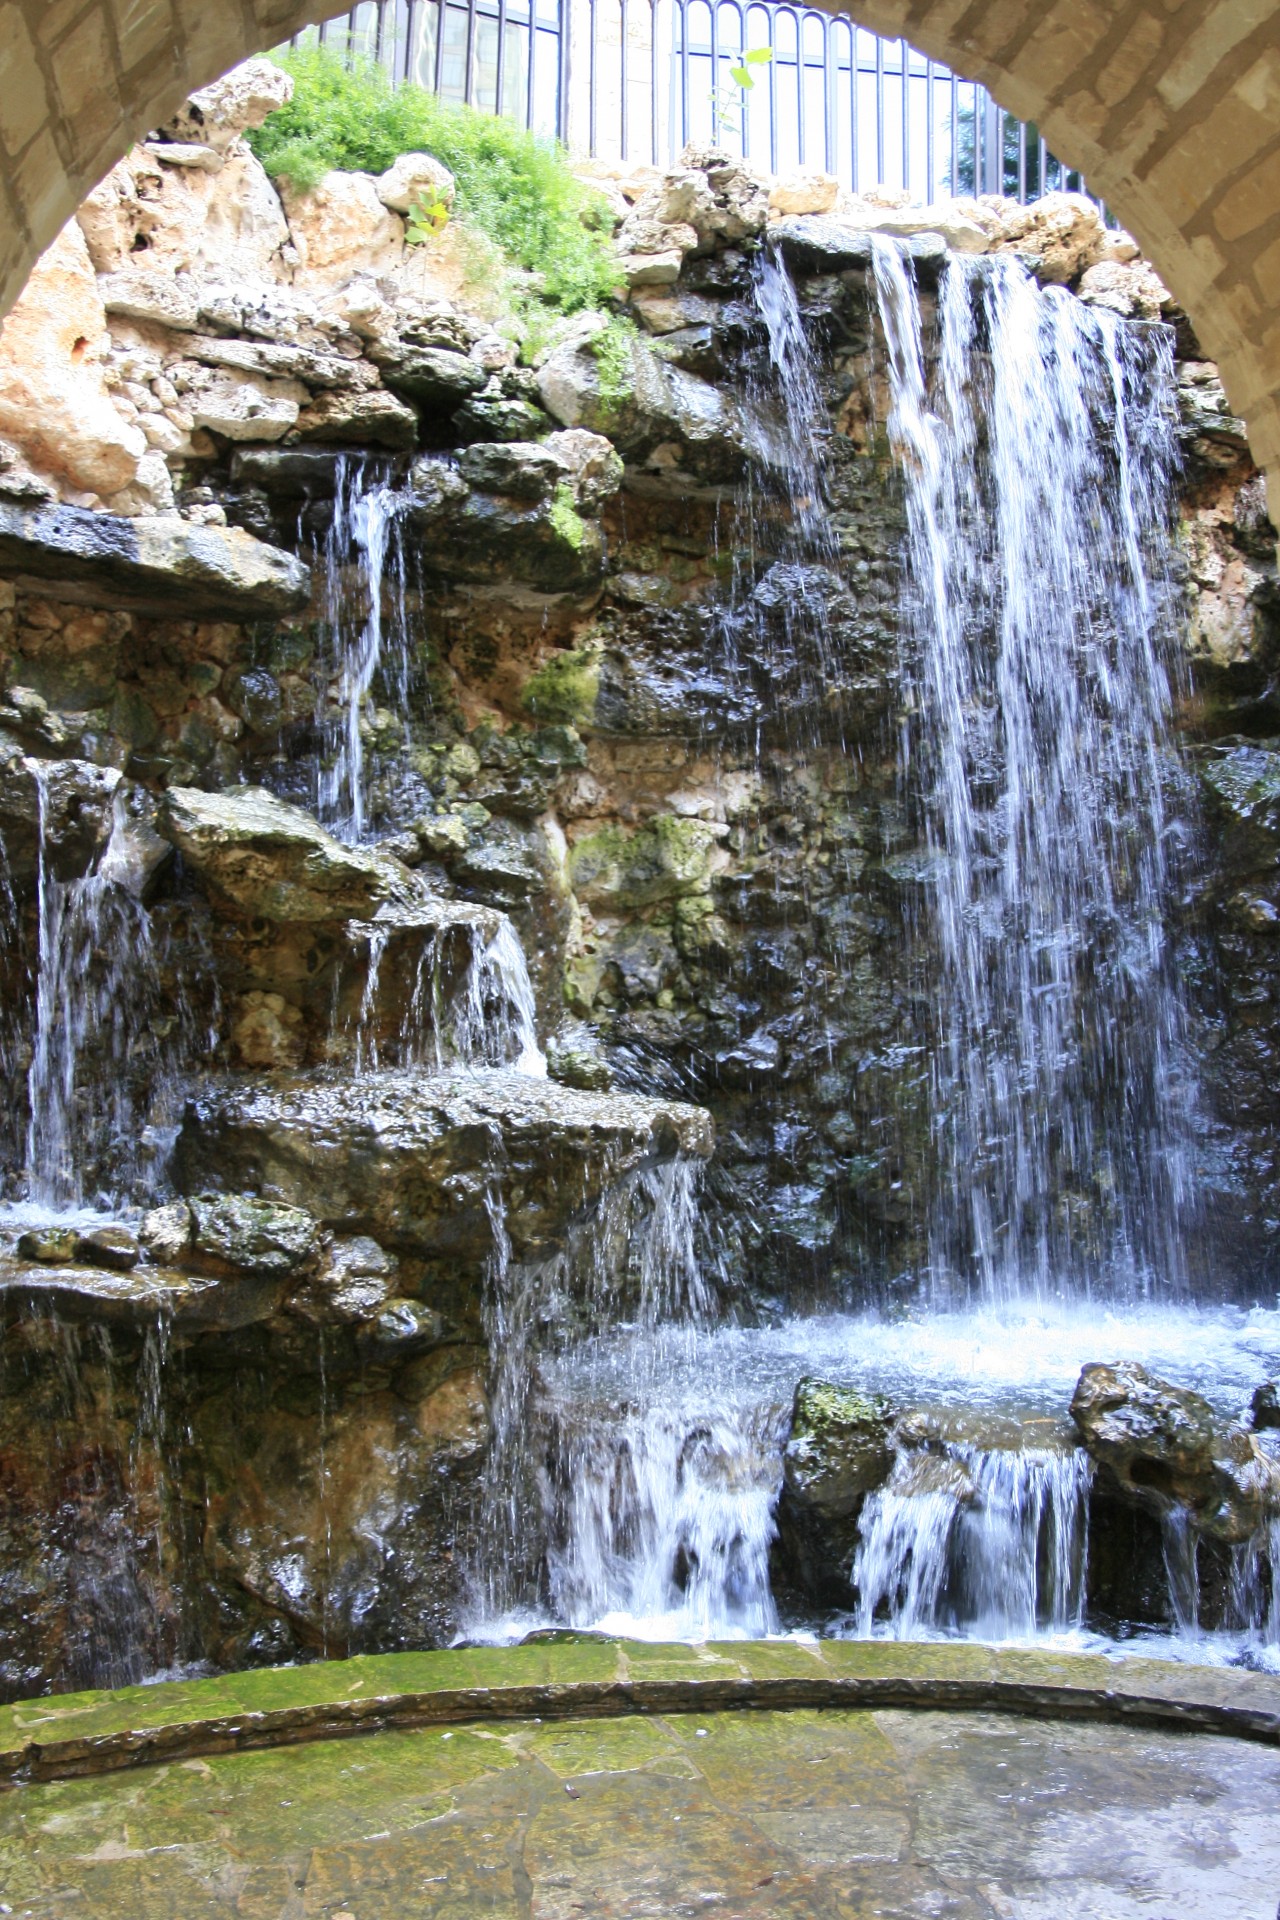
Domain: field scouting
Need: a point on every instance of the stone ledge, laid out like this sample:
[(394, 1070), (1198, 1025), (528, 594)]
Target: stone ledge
[(162, 565), (77, 1736)]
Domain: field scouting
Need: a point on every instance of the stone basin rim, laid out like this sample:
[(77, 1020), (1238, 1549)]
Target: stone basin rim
[(1127, 1701)]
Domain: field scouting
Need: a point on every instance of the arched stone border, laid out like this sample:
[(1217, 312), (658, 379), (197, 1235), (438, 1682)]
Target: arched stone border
[(347, 1698), (1171, 110)]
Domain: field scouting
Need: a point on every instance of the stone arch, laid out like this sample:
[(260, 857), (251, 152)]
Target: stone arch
[(1172, 111)]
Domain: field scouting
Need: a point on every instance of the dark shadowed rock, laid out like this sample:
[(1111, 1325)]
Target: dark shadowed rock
[(153, 565), (252, 1236), (838, 1452), (67, 803)]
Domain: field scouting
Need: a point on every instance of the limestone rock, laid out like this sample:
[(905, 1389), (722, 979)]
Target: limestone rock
[(179, 220), (438, 378), (1061, 231), (356, 1280), (151, 566), (341, 228), (349, 419), (522, 469), (1264, 1408), (166, 1233), (108, 1246), (594, 467), (1132, 289), (270, 860), (1166, 1449), (144, 293), (660, 268), (54, 404), (466, 534), (803, 192), (251, 1235), (105, 1297), (245, 406), (415, 179), (216, 115), (412, 1161)]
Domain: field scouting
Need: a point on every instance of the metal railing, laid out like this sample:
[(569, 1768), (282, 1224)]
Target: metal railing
[(637, 80)]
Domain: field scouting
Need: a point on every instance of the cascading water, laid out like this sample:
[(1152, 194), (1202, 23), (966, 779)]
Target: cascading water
[(990, 1543), (1038, 467), (365, 637)]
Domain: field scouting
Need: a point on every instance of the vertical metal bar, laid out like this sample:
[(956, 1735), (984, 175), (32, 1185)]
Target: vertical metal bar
[(906, 116), (440, 5), (500, 69), (592, 76), (715, 70), (829, 93), (468, 71), (879, 181), (683, 6), (800, 139), (1043, 167), (653, 82), (853, 105), (1022, 163), (773, 98), (410, 23), (533, 62), (955, 135), (930, 182), (564, 69), (622, 74)]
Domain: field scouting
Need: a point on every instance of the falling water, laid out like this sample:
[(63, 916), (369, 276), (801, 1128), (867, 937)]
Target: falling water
[(991, 1543), (486, 1018), (97, 988), (1038, 469), (364, 527)]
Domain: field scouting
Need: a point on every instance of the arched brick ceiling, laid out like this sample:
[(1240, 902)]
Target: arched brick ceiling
[(1170, 107)]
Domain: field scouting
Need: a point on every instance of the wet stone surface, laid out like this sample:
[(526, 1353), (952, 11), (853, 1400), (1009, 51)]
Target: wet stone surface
[(829, 1816)]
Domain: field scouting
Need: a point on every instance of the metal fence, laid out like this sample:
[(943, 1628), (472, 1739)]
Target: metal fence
[(636, 80)]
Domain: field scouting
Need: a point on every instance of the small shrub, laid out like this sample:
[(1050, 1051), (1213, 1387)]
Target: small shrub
[(512, 187)]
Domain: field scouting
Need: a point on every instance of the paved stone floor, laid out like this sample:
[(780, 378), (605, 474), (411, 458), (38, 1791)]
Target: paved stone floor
[(807, 1815)]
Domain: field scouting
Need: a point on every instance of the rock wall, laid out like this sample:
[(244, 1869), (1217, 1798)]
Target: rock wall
[(595, 713)]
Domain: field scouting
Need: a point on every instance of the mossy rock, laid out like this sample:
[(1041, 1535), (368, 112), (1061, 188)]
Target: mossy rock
[(666, 860), (562, 692)]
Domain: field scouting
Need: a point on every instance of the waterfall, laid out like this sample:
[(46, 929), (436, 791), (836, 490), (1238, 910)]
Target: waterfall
[(630, 1267), (661, 1521), (97, 993), (991, 1543), (364, 527), (1037, 463)]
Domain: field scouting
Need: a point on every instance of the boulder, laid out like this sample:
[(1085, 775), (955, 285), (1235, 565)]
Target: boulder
[(415, 179), (1264, 1408), (67, 802), (840, 1449), (803, 193), (145, 293), (472, 535), (153, 565), (340, 228), (216, 116), (349, 419), (1165, 1448), (269, 860), (1130, 288), (356, 1280), (226, 224), (438, 378), (245, 406), (415, 1163), (250, 1235), (101, 1296), (54, 404), (522, 469)]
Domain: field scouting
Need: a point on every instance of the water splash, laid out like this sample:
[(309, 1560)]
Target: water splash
[(364, 528), (1038, 467)]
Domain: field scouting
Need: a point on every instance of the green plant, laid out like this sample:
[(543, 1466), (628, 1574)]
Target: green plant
[(513, 188), (726, 106), (426, 219)]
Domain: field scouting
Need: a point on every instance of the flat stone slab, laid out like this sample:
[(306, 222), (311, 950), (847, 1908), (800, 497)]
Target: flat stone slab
[(190, 1302), (419, 1161), (161, 564), (622, 1811)]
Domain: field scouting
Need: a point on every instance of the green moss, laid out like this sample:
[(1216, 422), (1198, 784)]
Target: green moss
[(822, 1410), (514, 189), (565, 518), (613, 350), (563, 690), (664, 861)]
